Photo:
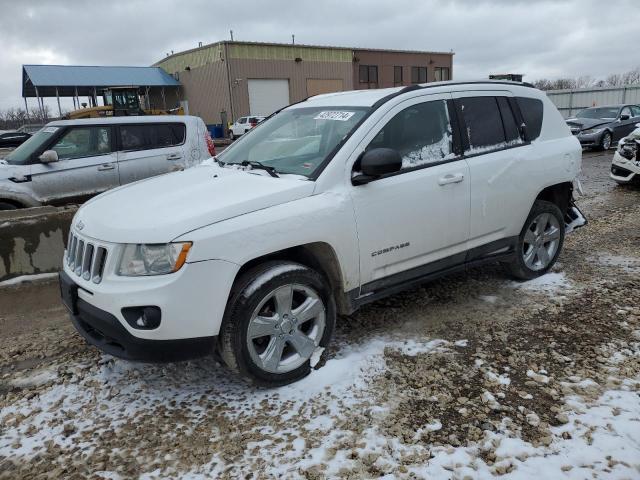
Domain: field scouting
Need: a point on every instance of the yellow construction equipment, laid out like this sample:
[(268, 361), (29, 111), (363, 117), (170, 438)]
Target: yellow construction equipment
[(121, 101)]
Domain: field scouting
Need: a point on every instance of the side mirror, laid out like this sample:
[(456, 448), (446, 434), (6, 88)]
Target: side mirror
[(48, 156), (377, 162), (624, 117)]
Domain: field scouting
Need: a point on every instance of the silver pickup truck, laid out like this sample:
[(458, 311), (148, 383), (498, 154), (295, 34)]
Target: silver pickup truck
[(71, 160)]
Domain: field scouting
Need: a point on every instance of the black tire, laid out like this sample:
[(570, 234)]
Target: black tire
[(7, 206), (605, 141), (518, 267), (246, 296)]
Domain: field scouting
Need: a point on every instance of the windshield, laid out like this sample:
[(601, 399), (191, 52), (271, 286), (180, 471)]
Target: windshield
[(296, 140), (22, 154), (602, 112)]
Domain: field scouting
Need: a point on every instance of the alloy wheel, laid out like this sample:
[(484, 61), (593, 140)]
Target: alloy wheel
[(541, 241), (606, 141), (285, 328)]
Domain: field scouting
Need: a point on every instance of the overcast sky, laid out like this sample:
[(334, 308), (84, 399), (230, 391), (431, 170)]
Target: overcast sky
[(538, 38)]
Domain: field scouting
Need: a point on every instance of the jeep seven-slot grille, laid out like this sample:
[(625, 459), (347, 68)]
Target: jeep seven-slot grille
[(86, 259)]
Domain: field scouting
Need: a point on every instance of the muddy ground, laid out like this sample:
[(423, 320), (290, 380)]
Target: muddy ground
[(472, 376)]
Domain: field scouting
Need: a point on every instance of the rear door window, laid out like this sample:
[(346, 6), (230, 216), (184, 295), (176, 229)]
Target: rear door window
[(152, 135), (531, 109), (483, 124), (421, 134)]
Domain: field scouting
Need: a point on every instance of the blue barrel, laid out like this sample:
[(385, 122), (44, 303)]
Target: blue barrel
[(216, 130)]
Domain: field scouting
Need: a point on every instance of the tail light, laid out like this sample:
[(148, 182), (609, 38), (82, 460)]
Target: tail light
[(210, 145)]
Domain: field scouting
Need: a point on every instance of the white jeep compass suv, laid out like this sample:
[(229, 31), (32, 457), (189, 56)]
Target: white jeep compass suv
[(329, 204)]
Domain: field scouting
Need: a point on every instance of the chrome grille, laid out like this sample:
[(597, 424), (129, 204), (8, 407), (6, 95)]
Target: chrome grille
[(86, 259)]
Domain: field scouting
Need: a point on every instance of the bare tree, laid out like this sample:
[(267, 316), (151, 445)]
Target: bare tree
[(13, 118), (632, 77)]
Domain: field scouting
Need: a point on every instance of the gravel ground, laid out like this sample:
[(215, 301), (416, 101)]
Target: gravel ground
[(472, 376)]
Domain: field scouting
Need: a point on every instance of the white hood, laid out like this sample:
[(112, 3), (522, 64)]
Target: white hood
[(161, 209)]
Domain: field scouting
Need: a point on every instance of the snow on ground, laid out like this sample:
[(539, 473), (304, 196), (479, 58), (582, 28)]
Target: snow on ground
[(28, 278), (602, 436), (552, 283), (627, 264)]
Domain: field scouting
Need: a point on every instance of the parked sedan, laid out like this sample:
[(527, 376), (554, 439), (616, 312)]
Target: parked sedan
[(602, 127), (13, 138)]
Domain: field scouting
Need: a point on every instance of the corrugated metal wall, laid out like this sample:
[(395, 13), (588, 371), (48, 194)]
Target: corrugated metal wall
[(296, 72), (569, 102), (206, 88)]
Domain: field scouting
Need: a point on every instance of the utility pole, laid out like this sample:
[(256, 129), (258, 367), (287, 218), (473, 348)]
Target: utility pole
[(293, 39), (231, 32)]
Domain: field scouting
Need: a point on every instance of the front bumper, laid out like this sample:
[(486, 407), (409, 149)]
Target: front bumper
[(105, 331), (623, 170), (590, 140)]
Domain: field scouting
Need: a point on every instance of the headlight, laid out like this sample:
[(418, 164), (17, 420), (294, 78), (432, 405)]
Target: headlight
[(153, 259), (592, 131)]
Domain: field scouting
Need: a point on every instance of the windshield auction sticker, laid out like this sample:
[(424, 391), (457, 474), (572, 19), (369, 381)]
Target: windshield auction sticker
[(335, 115)]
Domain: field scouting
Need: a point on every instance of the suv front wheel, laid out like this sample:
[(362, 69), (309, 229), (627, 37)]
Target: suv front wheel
[(278, 314), (540, 241)]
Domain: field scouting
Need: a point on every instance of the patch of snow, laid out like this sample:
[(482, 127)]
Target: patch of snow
[(28, 278), (488, 298), (36, 378), (461, 343), (269, 274), (627, 264), (315, 357), (552, 282), (537, 377), (436, 152), (413, 348)]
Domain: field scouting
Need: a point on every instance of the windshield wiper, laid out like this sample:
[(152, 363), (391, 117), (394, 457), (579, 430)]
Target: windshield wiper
[(260, 166)]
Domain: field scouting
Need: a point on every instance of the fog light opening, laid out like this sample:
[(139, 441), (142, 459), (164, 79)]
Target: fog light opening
[(142, 318)]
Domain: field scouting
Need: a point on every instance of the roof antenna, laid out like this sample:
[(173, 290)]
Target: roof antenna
[(293, 39), (231, 32)]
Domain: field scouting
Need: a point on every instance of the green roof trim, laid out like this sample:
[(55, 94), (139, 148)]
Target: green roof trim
[(289, 52)]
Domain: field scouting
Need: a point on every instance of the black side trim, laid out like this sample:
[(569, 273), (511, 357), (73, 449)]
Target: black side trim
[(499, 250)]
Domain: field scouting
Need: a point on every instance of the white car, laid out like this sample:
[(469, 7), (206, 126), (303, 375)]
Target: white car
[(332, 203), (244, 124), (72, 160), (625, 167)]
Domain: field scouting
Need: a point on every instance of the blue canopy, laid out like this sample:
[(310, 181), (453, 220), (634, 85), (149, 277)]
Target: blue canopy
[(87, 79)]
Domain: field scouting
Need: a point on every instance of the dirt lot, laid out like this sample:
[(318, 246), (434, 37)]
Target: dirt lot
[(472, 376)]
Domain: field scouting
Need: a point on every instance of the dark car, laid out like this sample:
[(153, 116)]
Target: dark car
[(13, 139), (602, 127)]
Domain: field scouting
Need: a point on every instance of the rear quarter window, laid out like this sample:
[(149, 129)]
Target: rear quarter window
[(532, 113), (152, 135)]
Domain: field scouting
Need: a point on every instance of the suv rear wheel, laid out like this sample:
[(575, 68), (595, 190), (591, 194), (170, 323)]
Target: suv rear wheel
[(277, 316), (540, 241)]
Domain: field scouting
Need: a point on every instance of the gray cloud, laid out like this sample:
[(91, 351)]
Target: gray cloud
[(537, 38)]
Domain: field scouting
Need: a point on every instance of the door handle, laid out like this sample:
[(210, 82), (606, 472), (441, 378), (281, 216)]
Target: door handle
[(447, 179), (106, 166), (174, 156)]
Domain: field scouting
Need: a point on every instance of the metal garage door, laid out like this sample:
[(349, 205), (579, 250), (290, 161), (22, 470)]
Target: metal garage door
[(317, 86), (267, 96)]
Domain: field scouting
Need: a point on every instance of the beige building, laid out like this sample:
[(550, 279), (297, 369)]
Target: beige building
[(235, 79)]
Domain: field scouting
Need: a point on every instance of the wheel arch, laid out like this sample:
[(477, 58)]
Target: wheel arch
[(319, 256), (13, 202), (559, 194)]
